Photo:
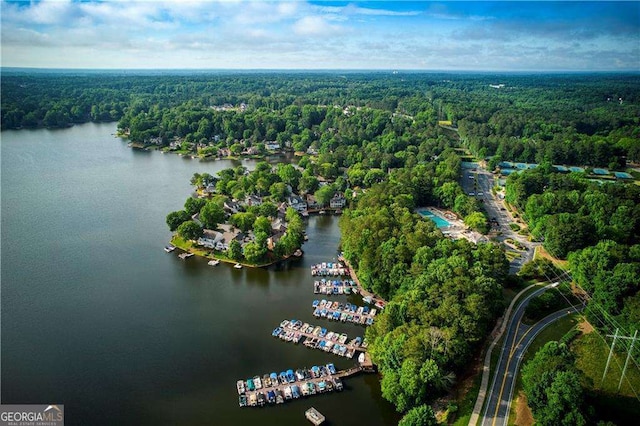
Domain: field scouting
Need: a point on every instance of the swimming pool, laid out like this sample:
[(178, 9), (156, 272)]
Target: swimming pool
[(440, 222)]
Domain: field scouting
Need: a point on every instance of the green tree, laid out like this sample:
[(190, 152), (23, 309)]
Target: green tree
[(211, 215), (267, 209), (190, 230), (478, 222), (308, 183), (279, 191), (235, 250), (175, 219), (289, 174), (243, 220), (324, 194), (193, 205), (421, 415), (262, 224)]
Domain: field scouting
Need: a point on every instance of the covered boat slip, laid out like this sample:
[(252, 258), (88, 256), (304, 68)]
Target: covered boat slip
[(317, 337), (286, 386), (334, 287), (345, 312), (329, 269)]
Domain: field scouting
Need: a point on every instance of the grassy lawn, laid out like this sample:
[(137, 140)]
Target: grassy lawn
[(540, 252), (467, 401), (591, 358), (554, 331)]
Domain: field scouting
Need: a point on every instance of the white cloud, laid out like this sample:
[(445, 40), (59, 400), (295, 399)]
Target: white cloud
[(315, 26)]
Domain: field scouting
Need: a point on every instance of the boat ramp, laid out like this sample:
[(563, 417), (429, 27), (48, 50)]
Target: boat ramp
[(334, 287), (316, 337), (345, 312)]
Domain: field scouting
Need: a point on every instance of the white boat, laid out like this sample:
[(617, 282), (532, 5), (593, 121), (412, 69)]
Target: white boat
[(169, 248), (213, 262), (237, 266)]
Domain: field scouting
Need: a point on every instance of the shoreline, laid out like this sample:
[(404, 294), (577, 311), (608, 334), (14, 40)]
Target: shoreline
[(207, 254)]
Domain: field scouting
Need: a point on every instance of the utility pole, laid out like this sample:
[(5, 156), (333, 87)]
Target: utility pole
[(633, 340), (606, 368), (626, 363)]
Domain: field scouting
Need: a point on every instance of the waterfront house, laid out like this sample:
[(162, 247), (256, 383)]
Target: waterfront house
[(312, 203), (338, 201), (272, 146), (210, 239), (297, 203)]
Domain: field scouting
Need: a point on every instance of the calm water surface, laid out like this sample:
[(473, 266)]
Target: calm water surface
[(96, 316)]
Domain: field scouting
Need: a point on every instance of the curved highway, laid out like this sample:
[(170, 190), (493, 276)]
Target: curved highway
[(518, 338)]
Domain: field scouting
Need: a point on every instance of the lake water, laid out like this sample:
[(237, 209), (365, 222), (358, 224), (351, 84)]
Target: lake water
[(96, 316)]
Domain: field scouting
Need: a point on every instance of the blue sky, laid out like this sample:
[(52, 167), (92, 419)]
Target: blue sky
[(502, 36)]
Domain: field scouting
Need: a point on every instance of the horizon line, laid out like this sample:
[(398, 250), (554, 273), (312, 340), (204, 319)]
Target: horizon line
[(378, 70)]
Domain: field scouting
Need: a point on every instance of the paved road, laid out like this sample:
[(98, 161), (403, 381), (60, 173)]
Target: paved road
[(518, 338), (480, 186)]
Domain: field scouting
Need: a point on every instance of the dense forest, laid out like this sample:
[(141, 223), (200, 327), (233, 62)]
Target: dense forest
[(443, 294), (585, 119), (391, 143)]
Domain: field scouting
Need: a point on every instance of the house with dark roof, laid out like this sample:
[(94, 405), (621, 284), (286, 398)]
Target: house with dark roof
[(297, 203)]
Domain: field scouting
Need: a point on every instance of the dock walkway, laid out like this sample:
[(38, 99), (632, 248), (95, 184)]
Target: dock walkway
[(344, 312), (281, 390), (295, 331)]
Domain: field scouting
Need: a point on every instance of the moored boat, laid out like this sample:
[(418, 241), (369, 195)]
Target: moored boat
[(240, 386), (257, 382), (237, 266), (213, 262)]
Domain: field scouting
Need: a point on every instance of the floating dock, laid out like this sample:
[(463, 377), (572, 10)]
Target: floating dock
[(345, 312), (334, 287), (316, 337), (314, 416), (279, 388), (329, 269)]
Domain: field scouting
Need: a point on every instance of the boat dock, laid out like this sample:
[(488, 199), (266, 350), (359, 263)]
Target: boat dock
[(277, 388), (345, 312), (335, 287), (329, 269), (314, 416), (316, 337)]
